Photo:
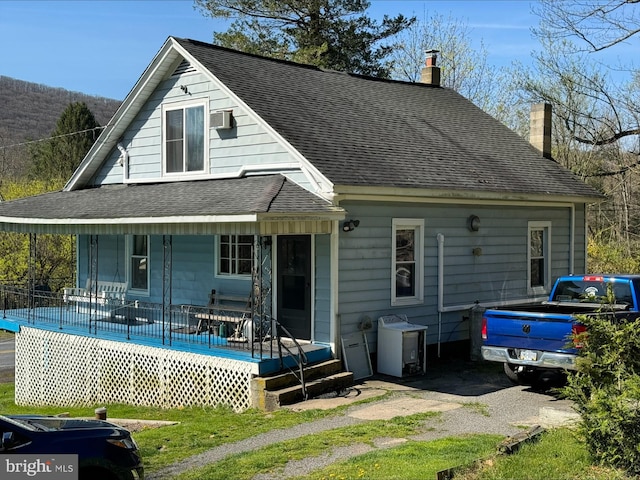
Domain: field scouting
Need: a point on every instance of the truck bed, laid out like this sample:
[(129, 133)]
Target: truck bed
[(538, 330), (539, 335)]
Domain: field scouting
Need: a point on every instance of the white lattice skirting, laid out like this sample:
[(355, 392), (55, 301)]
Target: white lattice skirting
[(67, 370)]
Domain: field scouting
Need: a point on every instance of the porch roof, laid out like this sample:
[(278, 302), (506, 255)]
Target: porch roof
[(172, 207)]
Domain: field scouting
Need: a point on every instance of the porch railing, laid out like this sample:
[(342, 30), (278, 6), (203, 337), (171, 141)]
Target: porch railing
[(299, 357), (180, 326)]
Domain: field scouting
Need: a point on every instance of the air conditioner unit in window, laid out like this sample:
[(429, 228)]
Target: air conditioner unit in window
[(222, 119)]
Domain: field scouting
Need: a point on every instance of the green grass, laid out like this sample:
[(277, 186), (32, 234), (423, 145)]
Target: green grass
[(272, 459), (198, 430), (477, 407), (559, 454), (412, 460)]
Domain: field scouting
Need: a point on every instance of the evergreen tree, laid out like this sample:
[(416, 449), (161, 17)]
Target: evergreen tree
[(333, 34), (58, 157)]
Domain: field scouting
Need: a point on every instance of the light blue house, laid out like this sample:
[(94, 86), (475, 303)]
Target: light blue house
[(313, 202)]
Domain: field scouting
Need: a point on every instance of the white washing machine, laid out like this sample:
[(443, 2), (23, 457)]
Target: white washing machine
[(402, 346)]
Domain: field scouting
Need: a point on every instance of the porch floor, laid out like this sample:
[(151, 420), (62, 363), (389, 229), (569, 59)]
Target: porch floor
[(172, 336)]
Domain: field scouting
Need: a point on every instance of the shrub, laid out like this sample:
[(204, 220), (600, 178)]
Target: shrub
[(612, 256), (606, 390)]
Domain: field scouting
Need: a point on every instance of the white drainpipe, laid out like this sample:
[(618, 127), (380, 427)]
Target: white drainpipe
[(440, 238), (124, 161)]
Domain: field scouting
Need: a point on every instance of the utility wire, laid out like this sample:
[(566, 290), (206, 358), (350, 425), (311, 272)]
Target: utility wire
[(31, 142)]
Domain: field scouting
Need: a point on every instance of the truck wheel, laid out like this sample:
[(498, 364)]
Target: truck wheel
[(521, 375)]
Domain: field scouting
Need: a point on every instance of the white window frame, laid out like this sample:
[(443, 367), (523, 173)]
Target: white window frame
[(130, 256), (416, 224), (218, 256), (168, 107), (545, 227)]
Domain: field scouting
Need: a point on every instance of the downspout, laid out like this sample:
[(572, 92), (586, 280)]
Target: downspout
[(572, 240), (336, 320), (124, 161), (440, 238)]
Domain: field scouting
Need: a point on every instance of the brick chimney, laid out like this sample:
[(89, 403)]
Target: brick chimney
[(540, 128), (431, 73)]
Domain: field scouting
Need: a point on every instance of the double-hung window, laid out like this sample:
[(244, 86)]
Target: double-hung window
[(139, 263), (407, 261), (235, 254), (539, 253), (184, 138)]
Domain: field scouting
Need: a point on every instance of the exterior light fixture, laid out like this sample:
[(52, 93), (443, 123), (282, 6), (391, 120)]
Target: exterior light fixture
[(350, 225), (473, 223)]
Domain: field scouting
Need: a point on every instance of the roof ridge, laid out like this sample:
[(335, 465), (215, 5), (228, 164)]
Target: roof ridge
[(240, 52), (303, 65)]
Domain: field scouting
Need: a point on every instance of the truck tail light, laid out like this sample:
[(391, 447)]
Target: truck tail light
[(484, 328), (578, 332)]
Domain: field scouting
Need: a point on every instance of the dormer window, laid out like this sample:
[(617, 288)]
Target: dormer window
[(184, 138)]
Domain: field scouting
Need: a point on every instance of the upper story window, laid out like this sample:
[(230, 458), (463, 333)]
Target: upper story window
[(407, 270), (539, 253), (184, 138), (235, 254)]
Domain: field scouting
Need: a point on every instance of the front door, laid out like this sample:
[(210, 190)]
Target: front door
[(294, 285)]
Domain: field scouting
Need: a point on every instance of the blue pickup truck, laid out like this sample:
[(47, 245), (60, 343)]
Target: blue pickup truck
[(532, 338)]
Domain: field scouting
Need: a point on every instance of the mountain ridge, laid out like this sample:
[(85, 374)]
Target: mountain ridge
[(29, 112)]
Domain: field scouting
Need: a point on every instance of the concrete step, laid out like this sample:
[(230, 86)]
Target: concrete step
[(293, 394), (269, 393), (289, 378)]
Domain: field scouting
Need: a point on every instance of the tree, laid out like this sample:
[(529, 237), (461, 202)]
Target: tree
[(13, 156), (333, 34), (464, 69), (52, 265), (596, 114), (599, 24), (59, 156)]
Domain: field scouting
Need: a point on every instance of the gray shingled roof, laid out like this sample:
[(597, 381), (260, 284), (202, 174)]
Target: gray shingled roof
[(369, 132), (271, 194)]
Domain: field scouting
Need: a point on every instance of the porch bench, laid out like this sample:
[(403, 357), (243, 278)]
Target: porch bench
[(227, 309), (107, 292)]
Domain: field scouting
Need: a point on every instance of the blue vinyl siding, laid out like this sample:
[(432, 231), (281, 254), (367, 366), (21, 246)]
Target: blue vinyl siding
[(111, 259), (192, 274), (249, 144), (498, 274)]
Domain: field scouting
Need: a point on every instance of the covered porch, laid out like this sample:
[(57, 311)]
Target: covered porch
[(164, 265), (267, 346)]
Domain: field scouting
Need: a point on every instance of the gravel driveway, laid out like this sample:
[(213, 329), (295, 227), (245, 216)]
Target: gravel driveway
[(472, 398)]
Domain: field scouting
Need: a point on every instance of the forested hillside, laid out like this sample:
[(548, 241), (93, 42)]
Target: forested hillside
[(29, 111)]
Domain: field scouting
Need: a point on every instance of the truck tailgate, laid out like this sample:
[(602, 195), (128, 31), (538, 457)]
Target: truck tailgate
[(530, 330)]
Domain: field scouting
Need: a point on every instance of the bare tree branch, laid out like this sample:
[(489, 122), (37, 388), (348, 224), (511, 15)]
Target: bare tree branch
[(600, 24)]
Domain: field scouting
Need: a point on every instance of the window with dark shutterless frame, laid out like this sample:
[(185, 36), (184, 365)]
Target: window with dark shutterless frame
[(235, 254), (139, 262)]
